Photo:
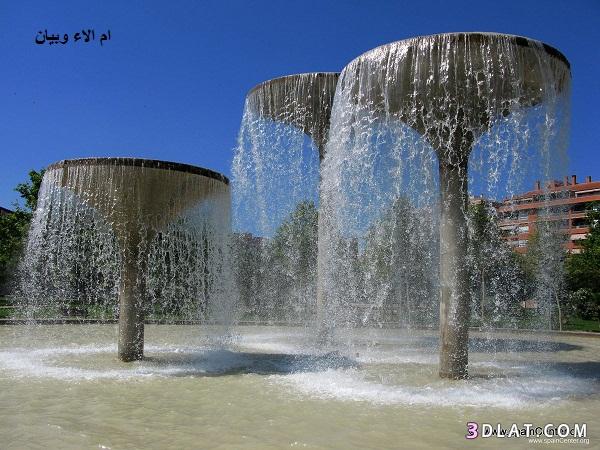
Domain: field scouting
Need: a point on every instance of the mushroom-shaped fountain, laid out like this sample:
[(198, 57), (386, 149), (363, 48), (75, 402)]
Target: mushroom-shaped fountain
[(452, 88), (137, 198), (303, 101)]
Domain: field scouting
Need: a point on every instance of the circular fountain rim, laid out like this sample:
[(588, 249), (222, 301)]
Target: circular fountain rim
[(140, 162), (283, 77), (519, 40)]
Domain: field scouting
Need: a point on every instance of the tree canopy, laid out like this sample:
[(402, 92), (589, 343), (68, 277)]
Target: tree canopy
[(583, 269), (14, 226)]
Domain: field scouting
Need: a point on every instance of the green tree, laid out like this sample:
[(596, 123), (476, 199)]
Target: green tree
[(481, 243), (290, 264), (583, 271), (496, 276), (544, 268), (296, 239), (247, 251), (30, 190), (14, 226), (13, 229), (398, 265)]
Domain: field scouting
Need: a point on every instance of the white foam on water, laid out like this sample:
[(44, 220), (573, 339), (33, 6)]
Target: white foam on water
[(24, 363), (373, 357), (507, 393), (273, 348), (408, 377), (46, 363)]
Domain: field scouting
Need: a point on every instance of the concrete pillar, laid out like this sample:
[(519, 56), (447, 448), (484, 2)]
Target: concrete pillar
[(454, 272), (131, 304)]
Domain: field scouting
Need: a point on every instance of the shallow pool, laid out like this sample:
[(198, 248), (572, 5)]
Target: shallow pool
[(61, 386)]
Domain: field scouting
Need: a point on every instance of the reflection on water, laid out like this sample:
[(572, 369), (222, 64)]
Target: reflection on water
[(63, 386)]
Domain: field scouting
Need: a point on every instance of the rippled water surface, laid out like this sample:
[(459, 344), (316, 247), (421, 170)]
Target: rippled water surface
[(61, 386)]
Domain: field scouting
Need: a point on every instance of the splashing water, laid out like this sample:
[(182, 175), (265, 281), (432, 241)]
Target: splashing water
[(275, 195), (95, 216), (495, 107)]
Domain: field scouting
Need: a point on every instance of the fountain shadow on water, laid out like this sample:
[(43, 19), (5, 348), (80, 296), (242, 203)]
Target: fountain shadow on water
[(588, 370), (213, 363), (496, 345), (507, 345)]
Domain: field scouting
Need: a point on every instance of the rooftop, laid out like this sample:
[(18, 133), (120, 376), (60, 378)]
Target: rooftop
[(566, 184)]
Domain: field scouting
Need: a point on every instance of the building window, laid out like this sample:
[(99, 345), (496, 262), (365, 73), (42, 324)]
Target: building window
[(580, 223), (586, 193)]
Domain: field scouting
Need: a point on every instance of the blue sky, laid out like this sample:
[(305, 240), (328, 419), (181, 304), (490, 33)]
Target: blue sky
[(171, 82)]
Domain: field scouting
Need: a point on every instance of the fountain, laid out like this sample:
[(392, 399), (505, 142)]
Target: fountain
[(451, 89), (132, 203), (412, 125), (302, 100), (293, 104)]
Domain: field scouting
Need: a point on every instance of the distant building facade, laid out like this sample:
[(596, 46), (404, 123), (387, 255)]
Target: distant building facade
[(564, 201), (4, 211)]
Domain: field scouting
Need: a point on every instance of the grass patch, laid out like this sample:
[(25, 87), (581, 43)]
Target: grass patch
[(5, 311), (576, 324)]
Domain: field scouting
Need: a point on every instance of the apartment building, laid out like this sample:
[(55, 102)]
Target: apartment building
[(564, 201)]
